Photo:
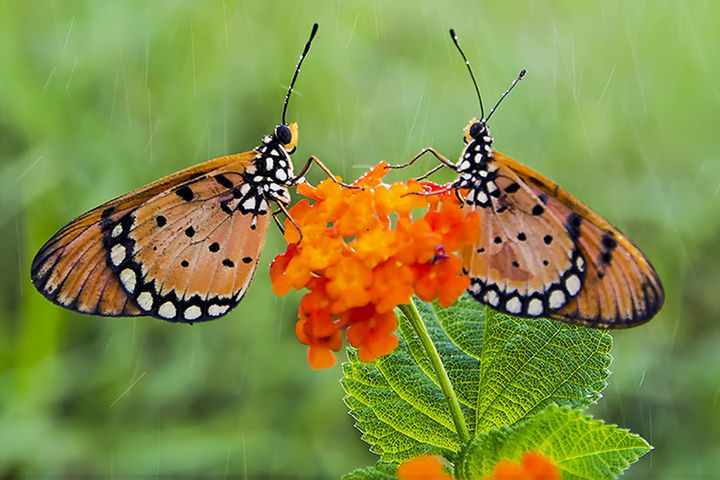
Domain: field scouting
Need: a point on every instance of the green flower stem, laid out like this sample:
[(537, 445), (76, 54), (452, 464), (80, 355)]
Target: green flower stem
[(413, 316)]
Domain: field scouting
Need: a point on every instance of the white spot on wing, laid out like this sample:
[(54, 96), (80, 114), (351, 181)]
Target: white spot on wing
[(217, 310), (492, 298), (557, 299), (145, 300), (117, 230), (128, 279), (167, 310), (535, 307), (117, 254), (580, 263), (192, 312), (572, 284), (513, 305)]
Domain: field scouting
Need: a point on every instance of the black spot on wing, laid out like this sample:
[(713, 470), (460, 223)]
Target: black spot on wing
[(228, 263), (190, 231), (224, 207), (521, 236), (224, 181), (608, 242), (185, 193), (247, 259), (606, 257), (572, 225), (214, 247), (538, 210), (512, 188), (161, 221)]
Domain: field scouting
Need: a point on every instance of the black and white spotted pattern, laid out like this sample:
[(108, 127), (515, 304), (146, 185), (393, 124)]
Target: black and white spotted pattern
[(476, 171), (537, 304)]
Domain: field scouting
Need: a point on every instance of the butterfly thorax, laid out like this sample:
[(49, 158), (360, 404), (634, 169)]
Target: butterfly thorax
[(267, 179), (476, 173)]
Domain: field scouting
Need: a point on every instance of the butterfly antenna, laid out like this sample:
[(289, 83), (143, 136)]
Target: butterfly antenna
[(467, 64), (297, 70), (522, 74)]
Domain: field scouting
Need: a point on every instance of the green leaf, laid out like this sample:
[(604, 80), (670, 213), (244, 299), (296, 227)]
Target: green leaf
[(530, 364), (379, 471), (502, 370), (581, 447)]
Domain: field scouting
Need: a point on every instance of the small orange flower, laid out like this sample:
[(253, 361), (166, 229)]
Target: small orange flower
[(533, 466), (425, 467), (362, 254)]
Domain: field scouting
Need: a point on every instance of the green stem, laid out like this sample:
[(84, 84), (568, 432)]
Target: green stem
[(413, 316)]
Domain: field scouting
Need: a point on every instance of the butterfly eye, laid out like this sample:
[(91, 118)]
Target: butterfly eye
[(283, 134), (476, 129)]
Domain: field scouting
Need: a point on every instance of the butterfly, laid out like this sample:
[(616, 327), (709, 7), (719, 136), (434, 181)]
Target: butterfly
[(541, 252), (183, 248)]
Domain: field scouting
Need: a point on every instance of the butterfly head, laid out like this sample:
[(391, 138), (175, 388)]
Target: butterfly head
[(477, 130), (287, 136)]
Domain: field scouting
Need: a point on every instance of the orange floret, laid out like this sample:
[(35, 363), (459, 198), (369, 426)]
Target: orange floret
[(362, 254), (532, 466), (425, 467)]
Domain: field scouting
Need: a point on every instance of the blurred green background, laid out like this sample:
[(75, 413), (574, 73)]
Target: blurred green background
[(620, 106)]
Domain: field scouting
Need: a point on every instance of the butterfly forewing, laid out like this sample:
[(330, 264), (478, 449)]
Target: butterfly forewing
[(524, 262), (621, 287)]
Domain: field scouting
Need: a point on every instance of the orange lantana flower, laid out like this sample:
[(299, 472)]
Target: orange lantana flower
[(425, 467), (362, 254), (533, 466)]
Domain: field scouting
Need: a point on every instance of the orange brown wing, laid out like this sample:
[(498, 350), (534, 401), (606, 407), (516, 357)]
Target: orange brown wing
[(524, 261), (72, 268), (189, 253), (621, 288)]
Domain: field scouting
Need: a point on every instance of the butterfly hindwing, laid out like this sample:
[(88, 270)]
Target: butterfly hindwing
[(189, 253), (621, 287), (524, 261)]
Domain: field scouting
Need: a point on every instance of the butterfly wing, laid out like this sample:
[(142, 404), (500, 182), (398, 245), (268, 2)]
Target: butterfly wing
[(72, 269), (189, 253), (523, 262), (621, 288)]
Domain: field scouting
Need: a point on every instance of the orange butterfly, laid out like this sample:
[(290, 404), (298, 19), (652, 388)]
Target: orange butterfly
[(541, 252), (183, 248)]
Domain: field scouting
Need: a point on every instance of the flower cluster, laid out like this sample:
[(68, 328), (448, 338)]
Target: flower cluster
[(532, 466), (361, 254)]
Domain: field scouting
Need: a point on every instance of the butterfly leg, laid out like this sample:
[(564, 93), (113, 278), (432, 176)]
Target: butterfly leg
[(287, 214), (423, 177), (325, 169), (277, 222), (436, 192), (443, 160)]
